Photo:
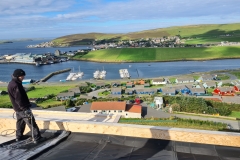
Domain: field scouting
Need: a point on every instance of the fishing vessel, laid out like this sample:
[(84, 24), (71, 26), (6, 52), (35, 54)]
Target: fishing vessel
[(124, 73)]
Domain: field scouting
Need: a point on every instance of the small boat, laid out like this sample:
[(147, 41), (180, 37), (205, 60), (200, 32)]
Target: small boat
[(74, 76)]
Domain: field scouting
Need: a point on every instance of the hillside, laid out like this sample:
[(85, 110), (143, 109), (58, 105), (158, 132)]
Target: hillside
[(160, 54), (197, 33)]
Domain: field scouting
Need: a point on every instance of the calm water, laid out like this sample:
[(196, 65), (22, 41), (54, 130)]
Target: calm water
[(141, 70), (21, 47)]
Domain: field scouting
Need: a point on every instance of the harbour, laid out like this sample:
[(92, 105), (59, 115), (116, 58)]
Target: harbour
[(135, 70)]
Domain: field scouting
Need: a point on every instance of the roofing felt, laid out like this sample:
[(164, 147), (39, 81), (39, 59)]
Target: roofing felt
[(108, 147), (108, 106), (134, 108)]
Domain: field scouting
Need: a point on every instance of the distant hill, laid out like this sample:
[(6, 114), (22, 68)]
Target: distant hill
[(196, 33)]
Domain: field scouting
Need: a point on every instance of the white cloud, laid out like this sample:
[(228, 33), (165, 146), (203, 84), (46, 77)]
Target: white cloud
[(13, 7), (32, 16)]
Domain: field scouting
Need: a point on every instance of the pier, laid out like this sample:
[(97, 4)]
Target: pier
[(44, 79)]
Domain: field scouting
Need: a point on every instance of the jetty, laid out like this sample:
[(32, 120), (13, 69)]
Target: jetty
[(44, 79)]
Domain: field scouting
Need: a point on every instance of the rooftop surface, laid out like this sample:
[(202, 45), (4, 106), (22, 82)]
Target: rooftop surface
[(87, 146)]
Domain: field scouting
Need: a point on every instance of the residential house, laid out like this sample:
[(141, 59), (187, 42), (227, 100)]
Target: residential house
[(209, 85), (140, 82), (206, 78), (133, 111), (168, 91), (70, 54), (76, 90), (223, 91), (236, 88), (115, 84), (185, 80), (129, 85), (129, 91), (65, 96), (197, 91), (159, 81), (219, 84), (100, 85), (146, 91), (146, 85), (183, 89), (117, 108), (158, 102), (116, 91), (199, 86)]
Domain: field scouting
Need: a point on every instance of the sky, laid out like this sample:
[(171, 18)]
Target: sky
[(55, 18)]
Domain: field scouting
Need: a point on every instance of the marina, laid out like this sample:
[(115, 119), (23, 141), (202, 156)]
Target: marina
[(136, 70)]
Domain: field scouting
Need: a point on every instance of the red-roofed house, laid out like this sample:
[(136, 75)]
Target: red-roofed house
[(236, 88), (224, 91), (118, 108)]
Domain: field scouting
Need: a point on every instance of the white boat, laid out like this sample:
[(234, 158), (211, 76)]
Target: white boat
[(99, 74), (70, 76), (74, 76), (124, 73)]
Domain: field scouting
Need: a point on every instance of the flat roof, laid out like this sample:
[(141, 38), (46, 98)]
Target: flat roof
[(109, 147)]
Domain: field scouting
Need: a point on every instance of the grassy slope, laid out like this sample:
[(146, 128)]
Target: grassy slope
[(162, 54), (204, 40), (40, 91), (205, 33)]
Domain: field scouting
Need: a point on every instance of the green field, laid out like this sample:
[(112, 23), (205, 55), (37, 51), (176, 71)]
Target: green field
[(204, 34), (204, 40), (235, 114), (40, 91), (161, 54)]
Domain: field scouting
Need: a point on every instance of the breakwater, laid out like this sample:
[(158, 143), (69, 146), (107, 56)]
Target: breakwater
[(44, 79)]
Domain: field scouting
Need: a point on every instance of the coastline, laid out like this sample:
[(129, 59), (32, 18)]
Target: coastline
[(77, 82), (155, 61)]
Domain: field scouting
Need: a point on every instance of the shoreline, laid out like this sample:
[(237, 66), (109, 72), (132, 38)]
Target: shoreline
[(117, 62), (4, 84), (156, 61)]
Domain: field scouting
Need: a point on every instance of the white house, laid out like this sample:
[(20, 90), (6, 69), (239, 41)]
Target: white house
[(117, 108), (209, 84), (158, 102), (159, 81), (184, 80)]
